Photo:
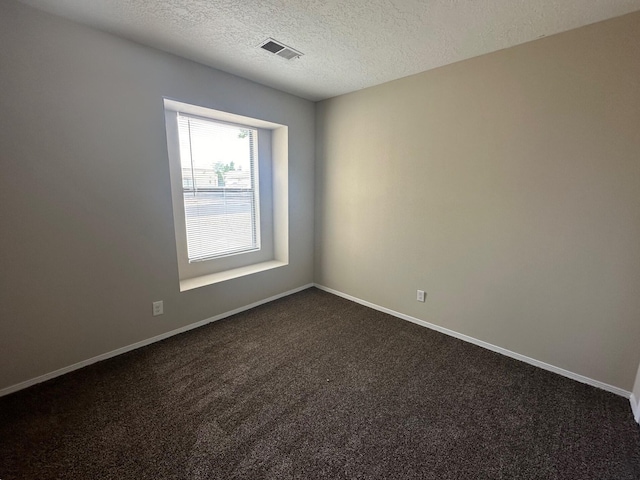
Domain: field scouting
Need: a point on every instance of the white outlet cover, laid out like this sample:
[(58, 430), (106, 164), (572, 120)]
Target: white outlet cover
[(158, 308), (421, 295)]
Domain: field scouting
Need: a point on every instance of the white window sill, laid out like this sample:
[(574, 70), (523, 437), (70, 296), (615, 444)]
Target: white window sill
[(197, 282)]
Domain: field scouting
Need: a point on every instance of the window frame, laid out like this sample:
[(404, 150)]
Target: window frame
[(273, 200)]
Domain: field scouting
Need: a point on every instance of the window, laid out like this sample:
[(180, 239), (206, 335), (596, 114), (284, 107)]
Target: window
[(229, 189), (220, 187)]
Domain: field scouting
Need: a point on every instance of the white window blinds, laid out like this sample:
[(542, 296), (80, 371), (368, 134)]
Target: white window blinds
[(219, 181)]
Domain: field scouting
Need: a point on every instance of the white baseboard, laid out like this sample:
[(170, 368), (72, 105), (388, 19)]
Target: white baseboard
[(566, 373), (480, 343), (143, 343), (635, 408)]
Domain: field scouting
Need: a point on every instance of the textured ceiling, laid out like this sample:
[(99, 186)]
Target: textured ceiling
[(347, 45)]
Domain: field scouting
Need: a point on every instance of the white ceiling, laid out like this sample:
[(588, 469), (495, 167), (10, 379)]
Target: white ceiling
[(347, 45)]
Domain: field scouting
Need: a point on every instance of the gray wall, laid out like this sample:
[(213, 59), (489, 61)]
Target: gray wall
[(506, 186), (87, 238)]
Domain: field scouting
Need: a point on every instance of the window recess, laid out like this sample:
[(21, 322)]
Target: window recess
[(230, 193)]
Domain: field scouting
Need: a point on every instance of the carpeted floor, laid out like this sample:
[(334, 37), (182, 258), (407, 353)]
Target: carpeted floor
[(314, 386)]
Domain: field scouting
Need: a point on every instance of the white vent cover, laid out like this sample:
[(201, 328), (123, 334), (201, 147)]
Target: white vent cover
[(280, 49)]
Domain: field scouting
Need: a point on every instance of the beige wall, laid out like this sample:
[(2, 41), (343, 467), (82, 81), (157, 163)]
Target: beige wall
[(506, 186), (87, 238)]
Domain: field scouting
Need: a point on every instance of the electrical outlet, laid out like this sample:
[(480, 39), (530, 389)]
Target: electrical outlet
[(421, 295), (158, 308)]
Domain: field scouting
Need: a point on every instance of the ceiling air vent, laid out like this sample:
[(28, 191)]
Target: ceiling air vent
[(280, 49)]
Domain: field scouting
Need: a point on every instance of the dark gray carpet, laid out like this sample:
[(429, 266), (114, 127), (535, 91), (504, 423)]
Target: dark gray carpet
[(314, 386)]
